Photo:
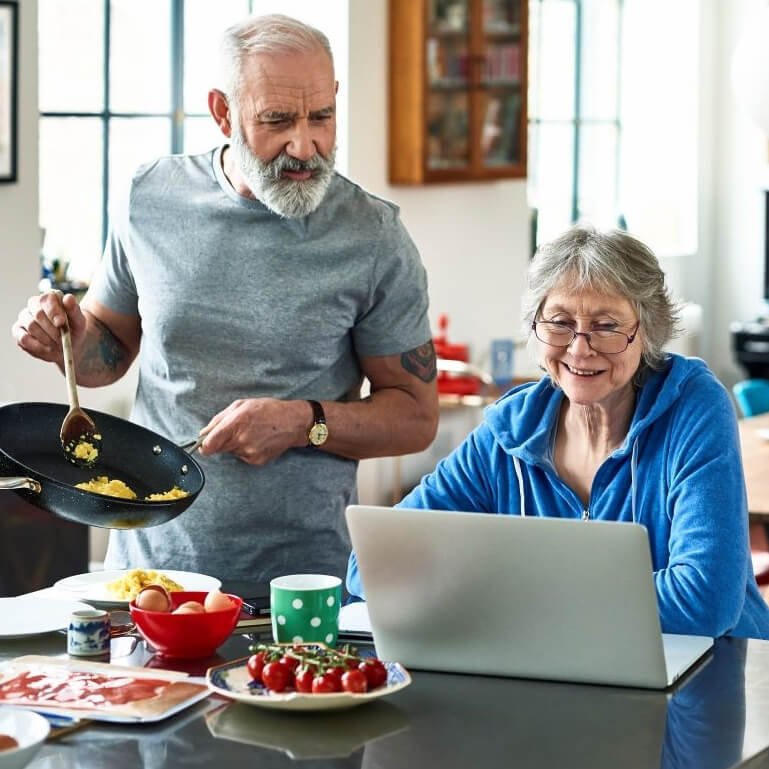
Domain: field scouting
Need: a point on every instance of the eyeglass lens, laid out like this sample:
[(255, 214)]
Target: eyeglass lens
[(557, 335)]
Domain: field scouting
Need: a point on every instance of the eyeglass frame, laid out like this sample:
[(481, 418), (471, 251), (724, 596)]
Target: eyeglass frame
[(587, 334)]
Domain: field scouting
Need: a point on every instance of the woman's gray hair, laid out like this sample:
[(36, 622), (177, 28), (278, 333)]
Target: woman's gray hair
[(271, 34), (611, 262)]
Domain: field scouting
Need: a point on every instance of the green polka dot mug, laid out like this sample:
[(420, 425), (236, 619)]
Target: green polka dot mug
[(305, 608)]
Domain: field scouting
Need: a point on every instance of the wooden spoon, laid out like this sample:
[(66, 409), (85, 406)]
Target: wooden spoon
[(80, 438)]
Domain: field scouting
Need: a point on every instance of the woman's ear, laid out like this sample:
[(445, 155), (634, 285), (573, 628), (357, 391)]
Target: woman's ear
[(219, 107)]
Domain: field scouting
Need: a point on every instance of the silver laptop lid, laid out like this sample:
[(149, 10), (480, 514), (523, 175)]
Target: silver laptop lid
[(544, 598)]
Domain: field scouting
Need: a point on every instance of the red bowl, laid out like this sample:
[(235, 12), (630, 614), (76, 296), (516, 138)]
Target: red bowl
[(186, 636)]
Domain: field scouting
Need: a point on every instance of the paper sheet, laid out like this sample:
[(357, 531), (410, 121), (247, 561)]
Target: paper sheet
[(354, 616)]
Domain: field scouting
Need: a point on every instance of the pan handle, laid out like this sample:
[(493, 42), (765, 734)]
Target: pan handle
[(20, 483)]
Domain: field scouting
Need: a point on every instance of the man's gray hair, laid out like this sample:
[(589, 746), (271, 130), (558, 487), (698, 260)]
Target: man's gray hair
[(610, 262), (271, 34)]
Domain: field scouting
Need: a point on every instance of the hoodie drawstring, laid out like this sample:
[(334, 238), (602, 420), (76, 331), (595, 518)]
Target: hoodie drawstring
[(633, 468), (519, 476)]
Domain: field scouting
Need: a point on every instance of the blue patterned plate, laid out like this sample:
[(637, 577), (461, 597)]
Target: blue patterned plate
[(232, 680)]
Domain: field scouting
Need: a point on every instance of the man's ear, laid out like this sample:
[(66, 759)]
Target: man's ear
[(219, 108)]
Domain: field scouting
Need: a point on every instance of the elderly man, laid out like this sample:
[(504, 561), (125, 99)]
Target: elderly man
[(257, 287)]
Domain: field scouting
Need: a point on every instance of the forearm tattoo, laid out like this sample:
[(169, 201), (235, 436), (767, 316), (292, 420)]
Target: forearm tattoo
[(421, 361), (104, 353)]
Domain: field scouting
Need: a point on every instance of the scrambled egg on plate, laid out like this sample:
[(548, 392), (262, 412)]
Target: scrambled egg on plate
[(130, 584)]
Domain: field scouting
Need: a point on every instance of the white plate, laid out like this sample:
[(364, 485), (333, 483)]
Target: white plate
[(92, 586), (232, 680), (31, 615)]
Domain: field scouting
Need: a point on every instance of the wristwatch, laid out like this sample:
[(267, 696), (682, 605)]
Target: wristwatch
[(319, 430)]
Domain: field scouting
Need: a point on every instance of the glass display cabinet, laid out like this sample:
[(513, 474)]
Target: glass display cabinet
[(457, 90)]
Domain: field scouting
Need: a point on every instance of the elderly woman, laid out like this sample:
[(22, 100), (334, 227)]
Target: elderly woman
[(616, 430)]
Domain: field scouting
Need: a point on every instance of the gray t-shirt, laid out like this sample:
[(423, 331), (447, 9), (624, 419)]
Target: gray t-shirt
[(238, 302)]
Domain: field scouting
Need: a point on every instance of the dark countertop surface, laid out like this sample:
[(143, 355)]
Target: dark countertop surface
[(716, 718)]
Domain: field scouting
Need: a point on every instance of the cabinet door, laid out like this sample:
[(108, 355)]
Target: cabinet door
[(501, 87), (457, 88), (449, 82)]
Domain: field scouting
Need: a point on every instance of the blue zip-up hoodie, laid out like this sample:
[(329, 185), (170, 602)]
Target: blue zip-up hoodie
[(678, 472)]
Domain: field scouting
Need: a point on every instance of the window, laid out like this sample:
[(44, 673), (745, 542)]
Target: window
[(123, 82), (613, 118)]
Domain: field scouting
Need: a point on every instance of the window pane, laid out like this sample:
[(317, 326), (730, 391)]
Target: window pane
[(598, 175), (552, 60), (134, 141), (70, 198), (660, 125), (71, 55), (204, 23), (201, 134), (600, 59), (140, 56), (550, 186)]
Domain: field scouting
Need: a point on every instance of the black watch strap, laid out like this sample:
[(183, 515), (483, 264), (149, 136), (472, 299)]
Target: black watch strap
[(318, 432)]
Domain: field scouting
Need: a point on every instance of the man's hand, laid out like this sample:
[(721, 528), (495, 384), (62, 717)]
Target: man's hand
[(257, 430), (37, 329)]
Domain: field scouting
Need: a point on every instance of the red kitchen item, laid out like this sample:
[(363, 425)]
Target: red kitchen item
[(187, 636), (452, 383)]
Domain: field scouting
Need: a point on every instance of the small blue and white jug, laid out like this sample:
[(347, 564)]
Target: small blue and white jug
[(88, 633)]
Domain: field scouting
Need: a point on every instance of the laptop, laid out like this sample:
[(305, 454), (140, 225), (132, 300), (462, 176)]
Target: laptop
[(545, 598)]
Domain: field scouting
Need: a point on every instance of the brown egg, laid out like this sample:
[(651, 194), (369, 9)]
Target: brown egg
[(154, 598), (216, 600), (189, 607)]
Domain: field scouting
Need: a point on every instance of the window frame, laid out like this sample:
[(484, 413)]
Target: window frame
[(176, 114), (578, 121)]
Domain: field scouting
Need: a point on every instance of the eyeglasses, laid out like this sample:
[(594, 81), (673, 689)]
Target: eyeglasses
[(601, 340)]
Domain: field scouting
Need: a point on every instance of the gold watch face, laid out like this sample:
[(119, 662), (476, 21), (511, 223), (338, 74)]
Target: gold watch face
[(318, 434)]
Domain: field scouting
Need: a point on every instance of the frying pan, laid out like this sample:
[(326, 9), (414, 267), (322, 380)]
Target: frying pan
[(32, 458)]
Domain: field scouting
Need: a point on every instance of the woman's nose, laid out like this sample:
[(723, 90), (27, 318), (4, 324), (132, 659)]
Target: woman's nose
[(583, 338)]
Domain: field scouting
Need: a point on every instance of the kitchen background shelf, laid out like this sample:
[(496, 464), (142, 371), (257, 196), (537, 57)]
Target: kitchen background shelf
[(457, 94)]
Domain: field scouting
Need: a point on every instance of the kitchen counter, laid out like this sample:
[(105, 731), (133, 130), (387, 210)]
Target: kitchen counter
[(717, 718)]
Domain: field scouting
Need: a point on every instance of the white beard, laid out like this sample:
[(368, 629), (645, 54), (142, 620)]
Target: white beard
[(289, 198)]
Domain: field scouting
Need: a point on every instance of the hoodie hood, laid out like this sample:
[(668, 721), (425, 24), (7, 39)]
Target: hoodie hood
[(522, 421)]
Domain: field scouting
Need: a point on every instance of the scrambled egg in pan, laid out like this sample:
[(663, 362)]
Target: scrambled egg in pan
[(112, 488), (116, 488)]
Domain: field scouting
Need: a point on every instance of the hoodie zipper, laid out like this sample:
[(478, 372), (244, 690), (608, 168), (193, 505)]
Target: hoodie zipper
[(586, 514)]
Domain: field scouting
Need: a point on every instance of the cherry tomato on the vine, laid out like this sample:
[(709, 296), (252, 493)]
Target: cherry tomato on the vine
[(303, 680), (290, 662), (275, 676), (354, 681), (375, 672), (336, 671), (325, 684), (255, 665)]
